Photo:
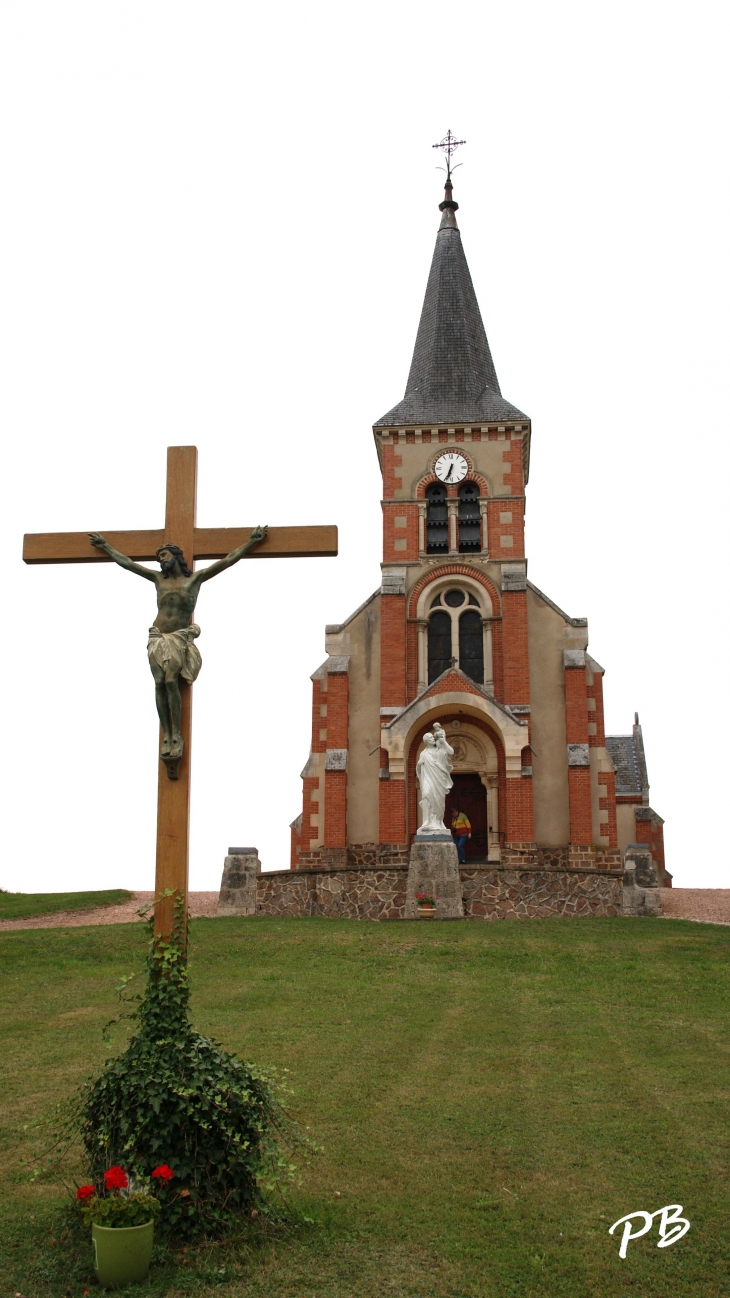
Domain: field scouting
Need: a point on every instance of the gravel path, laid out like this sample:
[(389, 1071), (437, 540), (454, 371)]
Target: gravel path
[(706, 905), (201, 903)]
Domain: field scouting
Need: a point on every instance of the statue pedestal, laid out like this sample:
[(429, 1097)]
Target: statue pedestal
[(238, 885), (434, 868)]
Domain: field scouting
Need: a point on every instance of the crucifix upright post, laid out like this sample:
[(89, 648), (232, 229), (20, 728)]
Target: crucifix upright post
[(173, 796), (173, 793)]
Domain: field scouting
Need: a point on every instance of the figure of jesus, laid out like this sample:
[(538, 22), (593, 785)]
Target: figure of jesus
[(171, 649), (433, 771)]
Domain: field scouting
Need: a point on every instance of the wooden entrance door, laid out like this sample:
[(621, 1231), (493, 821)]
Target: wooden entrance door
[(470, 795)]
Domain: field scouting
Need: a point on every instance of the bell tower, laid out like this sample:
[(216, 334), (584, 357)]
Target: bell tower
[(454, 456)]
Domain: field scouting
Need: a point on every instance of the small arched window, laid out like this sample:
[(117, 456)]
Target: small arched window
[(439, 644), (470, 532), (471, 646), (437, 519)]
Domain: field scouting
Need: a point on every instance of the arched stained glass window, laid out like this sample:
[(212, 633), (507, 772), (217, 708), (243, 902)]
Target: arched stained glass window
[(471, 646), (437, 519), (439, 644), (470, 532)]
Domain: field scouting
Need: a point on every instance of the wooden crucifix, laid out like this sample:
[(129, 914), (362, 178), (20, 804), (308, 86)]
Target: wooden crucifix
[(173, 656)]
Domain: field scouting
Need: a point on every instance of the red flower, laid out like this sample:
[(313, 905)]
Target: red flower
[(116, 1179), (163, 1172), (85, 1192)]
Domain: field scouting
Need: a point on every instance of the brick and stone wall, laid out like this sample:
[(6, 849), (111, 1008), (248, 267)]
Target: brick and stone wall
[(488, 892)]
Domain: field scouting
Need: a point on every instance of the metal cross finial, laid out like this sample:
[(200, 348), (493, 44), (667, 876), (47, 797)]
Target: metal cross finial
[(449, 144)]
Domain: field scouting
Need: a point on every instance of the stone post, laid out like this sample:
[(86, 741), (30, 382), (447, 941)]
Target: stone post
[(238, 885), (640, 892)]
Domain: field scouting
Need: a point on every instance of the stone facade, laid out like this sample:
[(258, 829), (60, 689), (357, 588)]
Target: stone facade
[(487, 892)]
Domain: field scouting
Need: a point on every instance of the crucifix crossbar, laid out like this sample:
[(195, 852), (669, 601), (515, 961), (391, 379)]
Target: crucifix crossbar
[(173, 794)]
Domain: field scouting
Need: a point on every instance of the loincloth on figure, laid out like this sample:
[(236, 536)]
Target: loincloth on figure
[(176, 651)]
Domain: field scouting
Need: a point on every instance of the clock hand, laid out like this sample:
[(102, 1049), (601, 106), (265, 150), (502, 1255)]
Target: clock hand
[(451, 470)]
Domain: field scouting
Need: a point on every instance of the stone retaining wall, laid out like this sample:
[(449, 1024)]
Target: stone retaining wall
[(339, 894), (524, 894), (489, 892)]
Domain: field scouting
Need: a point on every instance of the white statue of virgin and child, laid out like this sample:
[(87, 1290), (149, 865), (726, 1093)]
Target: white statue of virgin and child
[(433, 772)]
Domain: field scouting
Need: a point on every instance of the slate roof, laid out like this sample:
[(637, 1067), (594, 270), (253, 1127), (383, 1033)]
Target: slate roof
[(452, 378), (622, 751), (627, 754)]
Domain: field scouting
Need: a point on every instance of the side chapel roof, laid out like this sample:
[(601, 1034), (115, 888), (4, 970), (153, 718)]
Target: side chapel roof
[(452, 377), (627, 755)]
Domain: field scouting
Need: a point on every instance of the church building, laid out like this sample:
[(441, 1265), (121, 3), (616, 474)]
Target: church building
[(458, 634)]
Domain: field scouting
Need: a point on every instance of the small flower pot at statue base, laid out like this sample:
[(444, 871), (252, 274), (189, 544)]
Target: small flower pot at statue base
[(426, 912), (122, 1254)]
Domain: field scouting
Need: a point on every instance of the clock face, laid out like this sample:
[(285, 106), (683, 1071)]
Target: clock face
[(451, 467)]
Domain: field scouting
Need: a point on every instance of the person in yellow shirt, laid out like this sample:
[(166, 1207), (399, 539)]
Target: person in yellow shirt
[(461, 830)]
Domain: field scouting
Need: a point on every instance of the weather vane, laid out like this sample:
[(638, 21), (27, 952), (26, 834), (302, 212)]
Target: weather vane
[(449, 145)]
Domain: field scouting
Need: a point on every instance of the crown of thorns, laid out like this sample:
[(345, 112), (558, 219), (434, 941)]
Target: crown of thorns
[(178, 554)]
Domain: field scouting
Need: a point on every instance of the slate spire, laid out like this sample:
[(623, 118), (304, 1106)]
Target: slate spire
[(452, 378)]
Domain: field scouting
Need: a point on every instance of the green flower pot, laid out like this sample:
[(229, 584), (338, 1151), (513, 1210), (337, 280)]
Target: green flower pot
[(121, 1254)]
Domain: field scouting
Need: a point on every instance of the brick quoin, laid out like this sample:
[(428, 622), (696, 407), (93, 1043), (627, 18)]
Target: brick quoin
[(607, 781), (337, 709), (576, 705), (497, 529), (595, 692), (319, 697), (498, 660), (391, 533), (309, 832), (335, 809), (515, 650), (512, 460), (296, 846), (412, 657), (579, 777), (393, 656), (519, 824), (392, 811), (581, 812), (392, 462), (335, 782)]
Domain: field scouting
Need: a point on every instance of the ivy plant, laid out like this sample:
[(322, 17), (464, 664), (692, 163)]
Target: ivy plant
[(178, 1098)]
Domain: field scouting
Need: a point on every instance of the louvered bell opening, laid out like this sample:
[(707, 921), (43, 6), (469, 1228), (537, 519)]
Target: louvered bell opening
[(469, 518), (470, 532), (437, 519), (470, 536), (437, 537)]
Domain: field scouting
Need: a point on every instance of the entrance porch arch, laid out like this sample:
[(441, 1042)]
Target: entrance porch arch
[(447, 700)]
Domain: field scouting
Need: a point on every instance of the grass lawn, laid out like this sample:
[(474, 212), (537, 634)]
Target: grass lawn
[(490, 1097), (22, 905)]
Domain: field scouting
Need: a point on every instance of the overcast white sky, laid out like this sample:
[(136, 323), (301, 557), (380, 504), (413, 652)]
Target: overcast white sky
[(217, 223)]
